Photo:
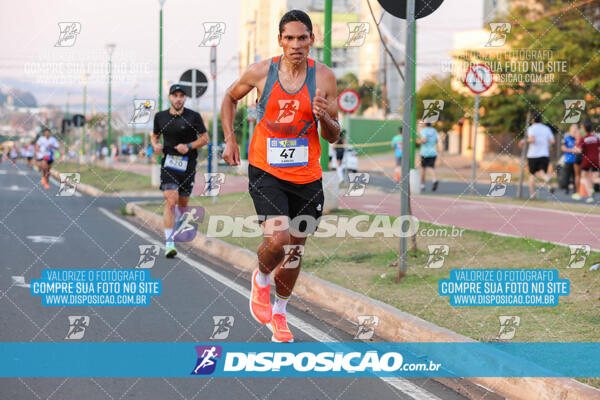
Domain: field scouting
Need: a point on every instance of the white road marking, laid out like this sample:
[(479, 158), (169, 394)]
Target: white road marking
[(401, 384), (19, 281), (2, 172), (45, 239)]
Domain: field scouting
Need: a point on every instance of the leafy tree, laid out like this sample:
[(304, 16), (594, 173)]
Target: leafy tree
[(237, 126), (571, 37), (370, 92), (455, 105)]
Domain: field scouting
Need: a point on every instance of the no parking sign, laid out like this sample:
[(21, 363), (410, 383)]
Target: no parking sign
[(479, 78)]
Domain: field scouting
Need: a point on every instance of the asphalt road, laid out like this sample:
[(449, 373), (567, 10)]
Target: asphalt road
[(92, 234)]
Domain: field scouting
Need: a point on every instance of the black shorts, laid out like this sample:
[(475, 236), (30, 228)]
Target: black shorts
[(182, 181), (398, 161), (538, 164), (274, 197), (578, 158), (428, 162), (590, 168), (339, 154), (29, 158), (48, 161)]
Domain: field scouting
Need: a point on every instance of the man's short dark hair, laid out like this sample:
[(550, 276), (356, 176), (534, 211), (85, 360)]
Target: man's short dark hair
[(537, 118), (400, 129), (295, 15), (44, 130), (587, 125), (427, 123)]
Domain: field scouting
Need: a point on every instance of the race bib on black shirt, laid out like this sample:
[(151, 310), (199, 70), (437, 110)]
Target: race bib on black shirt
[(179, 128)]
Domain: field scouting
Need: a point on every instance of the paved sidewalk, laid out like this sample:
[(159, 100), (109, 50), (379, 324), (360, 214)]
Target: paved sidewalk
[(448, 167)]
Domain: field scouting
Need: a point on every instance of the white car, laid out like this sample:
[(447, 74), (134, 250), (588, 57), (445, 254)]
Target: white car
[(350, 160)]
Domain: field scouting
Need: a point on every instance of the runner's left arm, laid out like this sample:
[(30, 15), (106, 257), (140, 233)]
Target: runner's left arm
[(325, 104), (201, 139)]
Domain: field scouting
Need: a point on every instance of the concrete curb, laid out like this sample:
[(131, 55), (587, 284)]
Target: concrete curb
[(93, 191), (394, 325)]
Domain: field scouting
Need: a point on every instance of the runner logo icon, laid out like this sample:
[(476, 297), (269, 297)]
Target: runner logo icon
[(500, 181), (77, 325), (293, 255), (498, 33), (212, 33), (212, 183), (142, 110), (68, 184), (287, 111), (186, 223), (148, 254), (432, 110), (207, 359), (573, 111), (68, 34), (223, 324), (508, 326), (366, 326), (579, 254), (437, 255), (358, 184), (358, 32)]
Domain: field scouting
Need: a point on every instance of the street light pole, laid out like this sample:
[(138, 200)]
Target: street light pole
[(110, 48), (474, 161), (326, 61), (67, 128), (215, 143), (160, 55), (245, 122), (84, 131), (83, 128), (406, 129)]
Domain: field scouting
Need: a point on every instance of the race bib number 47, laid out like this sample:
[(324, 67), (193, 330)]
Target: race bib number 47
[(178, 163), (287, 152)]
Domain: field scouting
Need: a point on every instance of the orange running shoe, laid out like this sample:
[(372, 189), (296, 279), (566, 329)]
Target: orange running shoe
[(281, 332), (260, 301)]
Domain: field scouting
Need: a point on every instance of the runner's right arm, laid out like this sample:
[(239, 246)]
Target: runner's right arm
[(155, 138), (240, 88)]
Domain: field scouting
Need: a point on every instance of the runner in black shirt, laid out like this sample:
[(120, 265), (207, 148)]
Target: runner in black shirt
[(183, 132)]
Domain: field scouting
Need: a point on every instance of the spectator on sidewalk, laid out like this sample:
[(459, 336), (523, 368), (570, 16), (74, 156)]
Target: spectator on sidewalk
[(576, 132), (570, 151), (339, 154), (590, 162), (539, 138), (428, 142), (149, 151), (397, 145)]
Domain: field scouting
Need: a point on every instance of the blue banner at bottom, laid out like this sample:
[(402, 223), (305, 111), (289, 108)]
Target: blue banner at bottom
[(224, 359)]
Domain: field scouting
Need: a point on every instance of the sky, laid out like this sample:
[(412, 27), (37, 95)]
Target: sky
[(31, 61)]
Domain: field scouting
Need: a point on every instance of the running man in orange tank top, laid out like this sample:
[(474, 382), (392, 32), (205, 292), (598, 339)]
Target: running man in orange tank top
[(296, 95)]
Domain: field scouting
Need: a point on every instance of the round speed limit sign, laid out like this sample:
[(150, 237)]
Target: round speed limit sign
[(479, 78), (348, 101)]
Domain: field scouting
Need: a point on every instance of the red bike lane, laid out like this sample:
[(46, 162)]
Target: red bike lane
[(563, 227)]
